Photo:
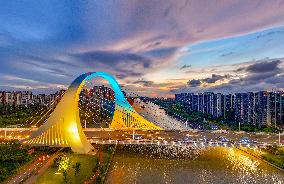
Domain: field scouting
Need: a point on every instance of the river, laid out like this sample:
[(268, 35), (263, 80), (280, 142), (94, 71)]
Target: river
[(208, 166)]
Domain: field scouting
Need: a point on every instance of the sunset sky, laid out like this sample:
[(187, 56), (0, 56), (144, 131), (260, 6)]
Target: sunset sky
[(154, 48)]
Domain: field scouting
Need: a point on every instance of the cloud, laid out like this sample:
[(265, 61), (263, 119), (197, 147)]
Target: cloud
[(58, 69), (18, 83), (53, 42), (226, 54), (209, 80), (249, 77), (262, 67), (214, 78), (162, 53), (185, 66), (194, 83), (112, 58), (260, 72), (122, 64), (15, 78), (145, 83)]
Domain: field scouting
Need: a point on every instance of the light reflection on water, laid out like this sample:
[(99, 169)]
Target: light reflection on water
[(214, 165)]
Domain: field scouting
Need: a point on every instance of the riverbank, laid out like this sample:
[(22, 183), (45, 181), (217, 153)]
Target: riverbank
[(107, 163), (274, 160), (105, 155)]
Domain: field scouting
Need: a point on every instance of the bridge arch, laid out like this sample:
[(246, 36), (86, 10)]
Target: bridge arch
[(63, 127)]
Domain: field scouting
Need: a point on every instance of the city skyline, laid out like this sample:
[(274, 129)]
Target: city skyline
[(152, 48), (261, 108)]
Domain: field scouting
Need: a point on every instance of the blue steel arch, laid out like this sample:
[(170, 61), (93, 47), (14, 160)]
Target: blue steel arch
[(119, 96)]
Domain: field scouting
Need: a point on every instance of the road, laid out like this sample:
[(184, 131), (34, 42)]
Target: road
[(30, 173), (108, 134), (33, 177), (204, 136), (33, 167)]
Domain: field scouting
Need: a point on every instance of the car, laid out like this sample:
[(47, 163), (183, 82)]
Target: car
[(245, 140), (214, 127), (187, 139), (212, 141), (137, 136), (204, 139), (223, 139)]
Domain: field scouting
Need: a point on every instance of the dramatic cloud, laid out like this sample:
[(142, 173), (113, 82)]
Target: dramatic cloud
[(260, 72), (209, 80), (214, 78), (52, 42), (119, 63), (253, 76), (194, 83), (113, 58), (262, 67)]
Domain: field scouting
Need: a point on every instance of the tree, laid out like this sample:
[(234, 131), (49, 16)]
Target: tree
[(65, 176), (77, 167), (64, 165)]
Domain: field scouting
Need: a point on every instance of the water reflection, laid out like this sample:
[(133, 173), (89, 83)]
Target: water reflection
[(214, 165)]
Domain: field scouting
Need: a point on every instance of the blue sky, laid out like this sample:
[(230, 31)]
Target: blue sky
[(253, 46), (152, 47)]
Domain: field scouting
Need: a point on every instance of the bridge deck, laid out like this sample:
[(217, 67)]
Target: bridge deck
[(159, 137)]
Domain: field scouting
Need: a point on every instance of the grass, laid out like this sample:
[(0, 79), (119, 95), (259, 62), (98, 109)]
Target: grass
[(274, 155), (278, 160), (88, 162)]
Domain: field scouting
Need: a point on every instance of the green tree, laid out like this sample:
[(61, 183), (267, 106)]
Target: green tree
[(65, 176), (63, 165), (77, 167)]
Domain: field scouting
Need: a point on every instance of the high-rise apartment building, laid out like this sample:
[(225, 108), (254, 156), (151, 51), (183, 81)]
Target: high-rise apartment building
[(26, 98), (276, 107), (229, 101), (260, 108)]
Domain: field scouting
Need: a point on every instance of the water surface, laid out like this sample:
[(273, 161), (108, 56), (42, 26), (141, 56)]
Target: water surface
[(214, 165)]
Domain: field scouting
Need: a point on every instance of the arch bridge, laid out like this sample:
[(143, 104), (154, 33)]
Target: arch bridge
[(63, 127)]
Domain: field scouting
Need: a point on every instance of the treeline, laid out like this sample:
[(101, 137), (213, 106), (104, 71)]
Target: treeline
[(12, 157), (13, 115)]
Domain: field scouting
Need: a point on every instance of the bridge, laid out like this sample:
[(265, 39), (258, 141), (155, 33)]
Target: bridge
[(63, 127), (192, 138)]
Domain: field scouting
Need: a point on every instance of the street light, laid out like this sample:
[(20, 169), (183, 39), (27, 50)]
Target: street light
[(279, 136)]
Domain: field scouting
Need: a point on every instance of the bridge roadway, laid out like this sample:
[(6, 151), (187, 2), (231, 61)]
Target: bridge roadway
[(109, 136), (196, 144)]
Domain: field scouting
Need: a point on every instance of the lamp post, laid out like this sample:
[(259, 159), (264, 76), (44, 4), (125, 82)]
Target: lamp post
[(279, 138), (132, 131)]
